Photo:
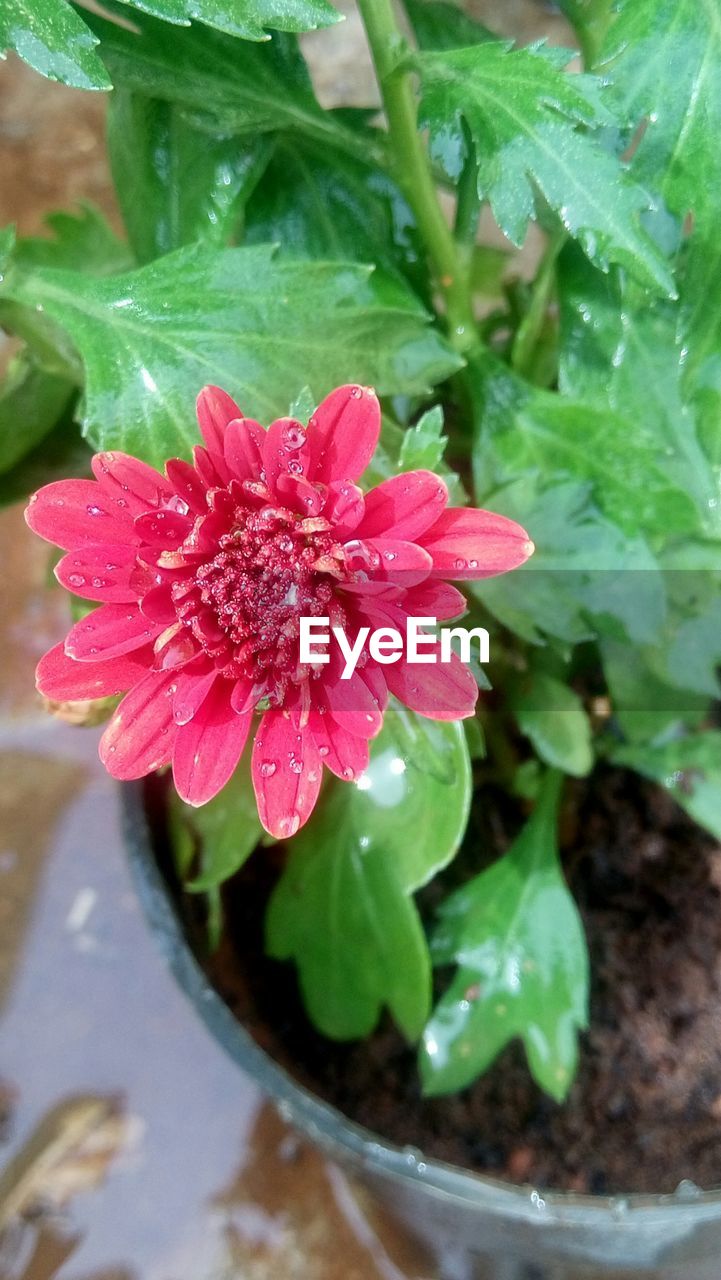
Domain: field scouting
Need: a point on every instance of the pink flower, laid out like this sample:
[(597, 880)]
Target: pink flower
[(204, 572)]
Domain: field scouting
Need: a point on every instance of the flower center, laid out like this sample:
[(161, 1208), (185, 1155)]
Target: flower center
[(244, 604)]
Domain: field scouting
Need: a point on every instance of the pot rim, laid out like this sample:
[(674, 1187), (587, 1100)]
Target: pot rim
[(341, 1137)]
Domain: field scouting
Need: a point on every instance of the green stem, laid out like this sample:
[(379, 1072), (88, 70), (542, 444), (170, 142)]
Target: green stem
[(412, 168), (468, 207), (529, 330)]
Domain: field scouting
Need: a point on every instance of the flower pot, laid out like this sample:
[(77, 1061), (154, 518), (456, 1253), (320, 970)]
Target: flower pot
[(485, 1229)]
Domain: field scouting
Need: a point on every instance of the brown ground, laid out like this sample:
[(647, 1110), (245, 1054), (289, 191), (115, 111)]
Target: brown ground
[(645, 1111)]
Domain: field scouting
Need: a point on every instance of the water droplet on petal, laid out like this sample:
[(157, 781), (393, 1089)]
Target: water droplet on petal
[(459, 564), (268, 768), (92, 510), (356, 392), (323, 751), (289, 826), (76, 580)]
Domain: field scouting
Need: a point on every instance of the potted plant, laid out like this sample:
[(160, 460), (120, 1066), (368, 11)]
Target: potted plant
[(380, 841)]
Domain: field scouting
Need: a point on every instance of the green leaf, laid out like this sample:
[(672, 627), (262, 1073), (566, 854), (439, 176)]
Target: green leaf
[(228, 85), (177, 183), (324, 205), (663, 56), (81, 241), (437, 25), (7, 242), (224, 832), (689, 769), (590, 19), (585, 578), (618, 351), (54, 40), (423, 445), (248, 19), (523, 428), (243, 318), (553, 717), (517, 938), (699, 328), (343, 908), (645, 706), (60, 455), (523, 114), (31, 402)]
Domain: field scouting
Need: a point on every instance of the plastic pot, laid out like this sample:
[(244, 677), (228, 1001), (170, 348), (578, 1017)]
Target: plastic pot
[(483, 1228)]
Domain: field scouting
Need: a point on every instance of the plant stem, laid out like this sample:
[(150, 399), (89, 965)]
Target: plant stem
[(529, 330), (468, 207), (412, 168)]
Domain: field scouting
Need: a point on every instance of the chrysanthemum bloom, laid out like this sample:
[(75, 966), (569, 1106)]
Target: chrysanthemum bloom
[(204, 573)]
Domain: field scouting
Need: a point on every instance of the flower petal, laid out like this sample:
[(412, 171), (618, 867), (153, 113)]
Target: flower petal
[(403, 506), (163, 528), (287, 770), (343, 433), (63, 679), (215, 410), (141, 733), (186, 483), (345, 755), (434, 599), (108, 632), (344, 507), (99, 573), (208, 748), (244, 448), (77, 513), (441, 690), (351, 704), (470, 543), (193, 685), (299, 494), (386, 560), (130, 482), (285, 450)]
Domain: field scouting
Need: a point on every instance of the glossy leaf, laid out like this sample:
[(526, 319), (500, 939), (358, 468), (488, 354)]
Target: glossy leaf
[(228, 85), (524, 114), (645, 706), (81, 241), (32, 401), (243, 318), (177, 183), (343, 909), (324, 205), (690, 770), (249, 19), (516, 936), (585, 578), (423, 445), (632, 468), (591, 20), (53, 39), (223, 832), (699, 331), (7, 241), (662, 57), (618, 351), (61, 454), (438, 25), (553, 717)]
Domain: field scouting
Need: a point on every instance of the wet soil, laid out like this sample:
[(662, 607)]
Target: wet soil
[(645, 1110)]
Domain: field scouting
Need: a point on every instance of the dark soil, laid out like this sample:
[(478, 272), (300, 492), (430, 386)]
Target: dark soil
[(645, 1111)]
